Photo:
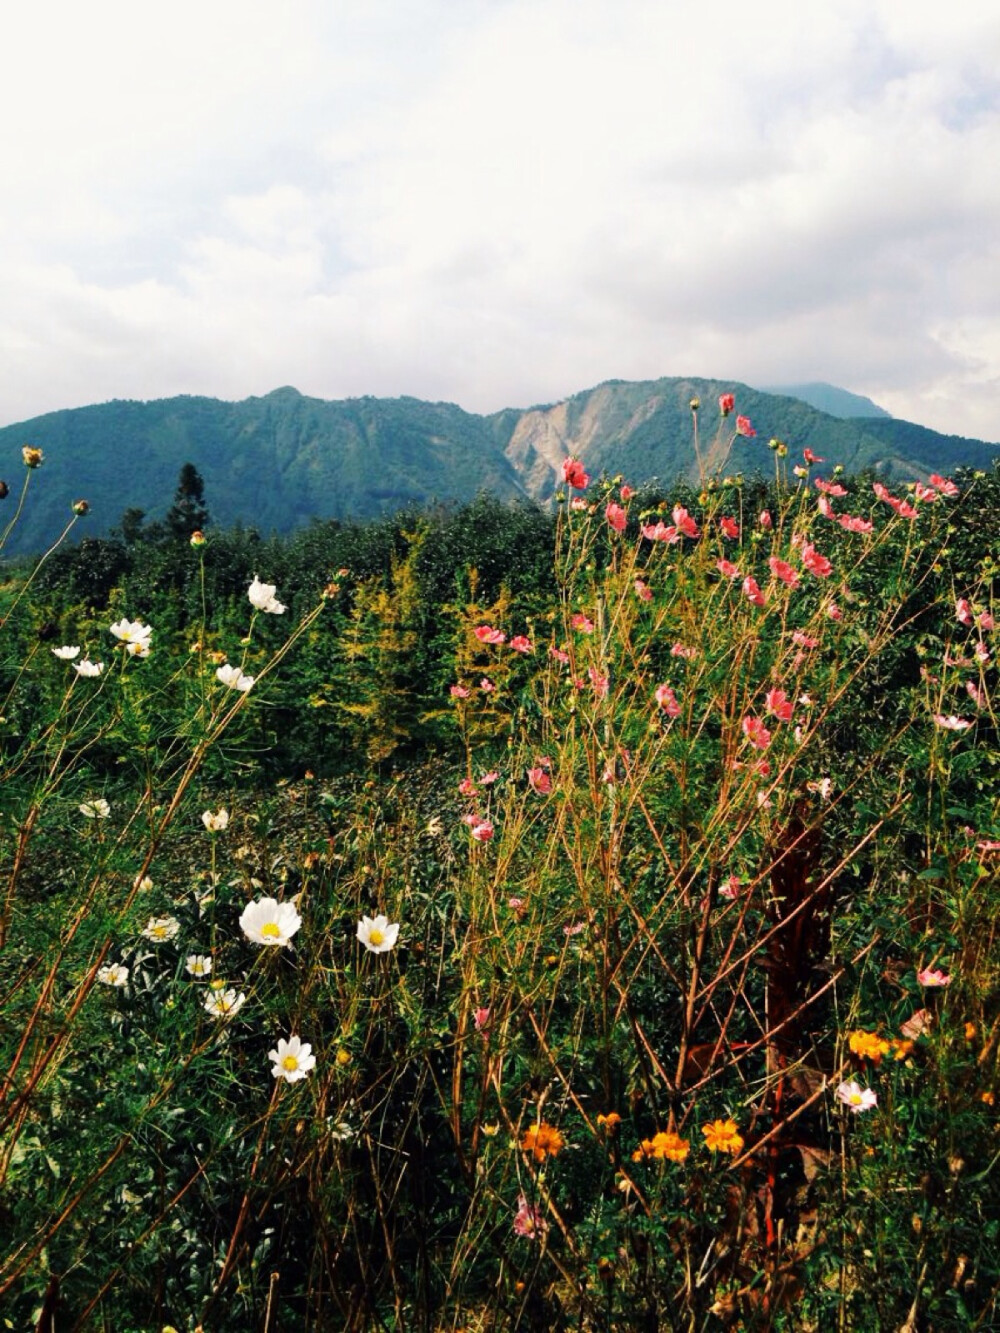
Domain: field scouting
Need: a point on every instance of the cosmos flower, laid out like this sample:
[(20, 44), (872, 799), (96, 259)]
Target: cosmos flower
[(114, 974), (198, 964), (542, 1141), (95, 809), (293, 1059), (378, 934), (234, 678), (487, 634), (574, 474), (216, 821), (67, 652), (88, 668), (933, 976), (270, 922), (528, 1220), (722, 1136), (663, 1145), (134, 634), (262, 597), (855, 1097), (160, 929), (222, 1003)]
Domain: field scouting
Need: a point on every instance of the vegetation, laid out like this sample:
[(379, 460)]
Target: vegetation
[(478, 920)]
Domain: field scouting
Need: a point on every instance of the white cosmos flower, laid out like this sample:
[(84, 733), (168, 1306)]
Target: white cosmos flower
[(88, 668), (378, 934), (224, 1003), (96, 809), (234, 678), (293, 1059), (115, 974), (262, 597), (134, 634), (269, 922), (67, 652), (217, 821), (161, 928), (198, 964)]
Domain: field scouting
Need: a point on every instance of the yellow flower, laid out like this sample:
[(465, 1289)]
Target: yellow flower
[(722, 1136), (542, 1141), (869, 1046), (901, 1049), (665, 1144), (610, 1122), (32, 457)]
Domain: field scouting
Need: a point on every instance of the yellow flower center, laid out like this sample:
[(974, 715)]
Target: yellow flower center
[(855, 1099), (290, 1062), (159, 931), (375, 936), (271, 931)]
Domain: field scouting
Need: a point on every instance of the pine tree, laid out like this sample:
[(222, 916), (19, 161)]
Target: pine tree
[(188, 513)]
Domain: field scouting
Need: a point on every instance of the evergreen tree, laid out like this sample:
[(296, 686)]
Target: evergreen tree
[(188, 513)]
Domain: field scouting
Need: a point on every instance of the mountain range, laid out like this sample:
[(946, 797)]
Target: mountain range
[(277, 461)]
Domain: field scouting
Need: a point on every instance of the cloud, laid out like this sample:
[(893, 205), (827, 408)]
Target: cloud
[(504, 204)]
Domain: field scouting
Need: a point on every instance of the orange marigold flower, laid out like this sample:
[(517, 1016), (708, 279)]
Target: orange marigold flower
[(901, 1049), (869, 1046), (665, 1144), (542, 1141), (610, 1122), (722, 1136)]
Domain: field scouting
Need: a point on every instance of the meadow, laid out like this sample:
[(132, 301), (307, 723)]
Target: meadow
[(490, 920)]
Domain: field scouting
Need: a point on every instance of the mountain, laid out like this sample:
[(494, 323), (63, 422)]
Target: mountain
[(831, 400), (277, 461)]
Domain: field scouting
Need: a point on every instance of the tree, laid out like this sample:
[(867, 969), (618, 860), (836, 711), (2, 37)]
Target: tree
[(188, 513)]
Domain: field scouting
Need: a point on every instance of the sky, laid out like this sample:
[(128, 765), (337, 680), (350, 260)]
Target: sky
[(499, 203)]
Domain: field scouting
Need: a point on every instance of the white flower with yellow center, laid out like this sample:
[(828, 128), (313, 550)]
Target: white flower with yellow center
[(96, 809), (160, 929), (88, 668), (269, 922), (134, 634), (224, 1003), (115, 974), (378, 934), (263, 599), (293, 1059), (67, 652), (234, 678), (215, 821), (198, 964)]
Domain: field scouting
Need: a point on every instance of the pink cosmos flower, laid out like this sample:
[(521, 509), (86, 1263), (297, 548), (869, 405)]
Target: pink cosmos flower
[(682, 650), (520, 644), (482, 831), (481, 1019), (559, 655), (488, 779), (660, 532), (539, 781), (459, 692), (906, 510), (727, 569), (667, 700), (825, 507), (743, 427), (515, 904), (985, 621), (933, 976), (810, 457), (815, 563), (851, 524), (730, 888), (727, 401), (963, 612), (616, 516), (988, 845), (574, 474), (643, 591), (598, 682), (486, 685), (751, 590), (578, 504), (764, 519), (783, 571), (580, 622), (855, 1097), (833, 611), (951, 723), (975, 693), (528, 1220), (467, 787), (804, 640), (626, 493), (917, 1024), (729, 526), (833, 488), (487, 634), (779, 705), (685, 523), (946, 487), (982, 653), (925, 494), (756, 732)]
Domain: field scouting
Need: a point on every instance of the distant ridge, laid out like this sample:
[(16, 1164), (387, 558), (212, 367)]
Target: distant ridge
[(828, 398), (278, 461)]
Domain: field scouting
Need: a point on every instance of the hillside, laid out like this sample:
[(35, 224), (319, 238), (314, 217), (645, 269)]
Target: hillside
[(276, 462)]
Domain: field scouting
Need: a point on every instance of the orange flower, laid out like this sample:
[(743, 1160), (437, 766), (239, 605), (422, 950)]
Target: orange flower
[(722, 1136), (542, 1141), (901, 1049), (869, 1046), (665, 1144), (610, 1122)]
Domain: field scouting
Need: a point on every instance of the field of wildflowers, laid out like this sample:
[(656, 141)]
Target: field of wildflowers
[(616, 949)]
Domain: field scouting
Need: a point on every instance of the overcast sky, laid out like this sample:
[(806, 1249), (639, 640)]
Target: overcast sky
[(500, 202)]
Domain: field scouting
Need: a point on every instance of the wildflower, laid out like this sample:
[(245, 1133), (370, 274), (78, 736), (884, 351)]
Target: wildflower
[(293, 1059), (667, 700), (32, 457), (134, 634), (642, 591), (616, 516), (730, 888), (729, 526), (269, 922), (144, 884), (946, 487), (722, 1136), (542, 1141), (559, 656), (609, 1122), (262, 597), (486, 685), (521, 644), (223, 1003), (481, 830), (579, 505), (963, 611), (919, 1023), (459, 692), (868, 1046), (925, 494), (779, 705), (580, 622), (815, 563), (197, 538), (743, 427), (822, 788), (933, 976), (114, 974), (467, 787), (804, 640), (217, 822), (160, 929), (95, 809), (67, 652), (528, 1220), (81, 508), (488, 779), (198, 964), (378, 934), (539, 781), (88, 668), (660, 532), (599, 683), (682, 650), (234, 678), (576, 928), (982, 654), (975, 694), (781, 570), (751, 590), (811, 458), (516, 904), (487, 634), (856, 1097), (574, 474), (685, 523), (951, 723), (481, 1019), (727, 401), (985, 621), (850, 524), (756, 732), (728, 570), (666, 1145), (832, 488)]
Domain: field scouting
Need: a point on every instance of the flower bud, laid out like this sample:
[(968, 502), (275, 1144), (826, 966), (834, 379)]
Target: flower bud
[(197, 538), (81, 507), (694, 404), (4, 490), (32, 457)]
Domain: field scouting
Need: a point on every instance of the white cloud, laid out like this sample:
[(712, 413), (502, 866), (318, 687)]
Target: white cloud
[(501, 202)]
